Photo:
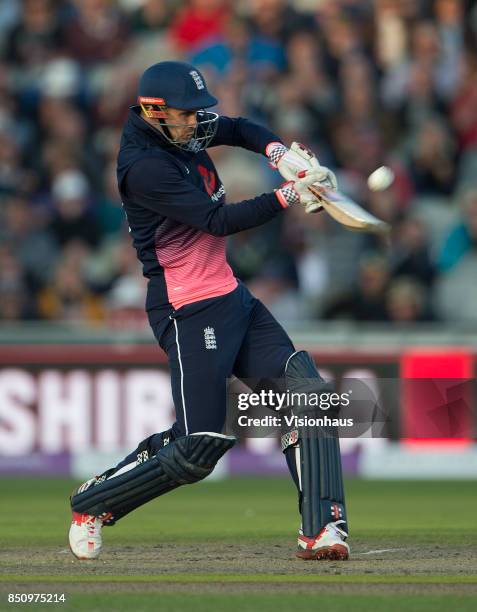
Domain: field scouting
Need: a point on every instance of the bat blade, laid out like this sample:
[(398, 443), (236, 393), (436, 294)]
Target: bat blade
[(346, 211)]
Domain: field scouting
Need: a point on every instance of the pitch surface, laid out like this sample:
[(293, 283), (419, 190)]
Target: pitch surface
[(230, 545)]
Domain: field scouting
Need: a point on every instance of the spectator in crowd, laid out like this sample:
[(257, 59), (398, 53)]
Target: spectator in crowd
[(464, 103), (14, 305), (198, 22), (463, 237), (456, 288), (406, 302), (277, 20), (151, 16), (433, 160), (109, 212), (410, 255), (72, 217), (67, 297), (367, 302), (126, 295), (32, 245), (36, 38), (12, 173), (98, 32)]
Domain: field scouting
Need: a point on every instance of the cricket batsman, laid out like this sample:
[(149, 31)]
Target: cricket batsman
[(208, 323)]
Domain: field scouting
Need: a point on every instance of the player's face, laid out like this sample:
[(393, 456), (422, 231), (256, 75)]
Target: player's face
[(185, 122), (180, 123)]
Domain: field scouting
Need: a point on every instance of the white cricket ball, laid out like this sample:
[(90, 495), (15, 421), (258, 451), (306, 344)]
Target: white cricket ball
[(380, 179)]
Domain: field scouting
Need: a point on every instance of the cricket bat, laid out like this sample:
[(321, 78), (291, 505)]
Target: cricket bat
[(346, 211)]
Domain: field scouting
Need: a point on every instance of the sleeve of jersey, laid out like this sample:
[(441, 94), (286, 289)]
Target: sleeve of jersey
[(241, 132), (159, 186)]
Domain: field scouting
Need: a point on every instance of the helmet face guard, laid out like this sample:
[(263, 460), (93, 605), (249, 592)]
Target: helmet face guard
[(205, 129)]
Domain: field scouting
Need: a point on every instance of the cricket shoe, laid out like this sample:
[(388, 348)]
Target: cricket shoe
[(85, 530), (328, 544), (85, 536)]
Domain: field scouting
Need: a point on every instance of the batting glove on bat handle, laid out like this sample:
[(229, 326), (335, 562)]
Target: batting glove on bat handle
[(315, 180), (297, 160), (328, 177), (286, 161), (315, 205), (321, 175), (297, 192), (287, 194)]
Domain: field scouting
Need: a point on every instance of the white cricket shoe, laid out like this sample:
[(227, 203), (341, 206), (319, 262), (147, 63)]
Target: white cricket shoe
[(328, 544), (85, 536)]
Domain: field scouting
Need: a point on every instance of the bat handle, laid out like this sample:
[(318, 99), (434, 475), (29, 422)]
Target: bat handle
[(313, 207)]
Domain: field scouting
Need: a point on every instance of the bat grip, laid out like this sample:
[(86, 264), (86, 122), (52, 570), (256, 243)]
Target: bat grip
[(313, 207)]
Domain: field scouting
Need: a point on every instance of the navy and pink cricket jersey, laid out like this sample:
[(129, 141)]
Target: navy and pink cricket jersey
[(175, 206)]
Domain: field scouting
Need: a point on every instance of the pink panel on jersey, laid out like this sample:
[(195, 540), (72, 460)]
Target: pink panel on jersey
[(195, 267)]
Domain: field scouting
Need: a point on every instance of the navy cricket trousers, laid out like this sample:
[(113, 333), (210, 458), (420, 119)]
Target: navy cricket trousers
[(207, 342)]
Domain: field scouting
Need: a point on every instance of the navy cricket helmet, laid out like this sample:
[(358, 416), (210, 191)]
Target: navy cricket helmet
[(178, 85)]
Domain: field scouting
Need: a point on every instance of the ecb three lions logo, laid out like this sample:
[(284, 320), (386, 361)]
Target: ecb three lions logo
[(197, 79), (210, 339)]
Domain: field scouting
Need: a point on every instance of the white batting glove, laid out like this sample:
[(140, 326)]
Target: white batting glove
[(290, 162), (317, 175), (286, 161), (297, 162), (297, 192)]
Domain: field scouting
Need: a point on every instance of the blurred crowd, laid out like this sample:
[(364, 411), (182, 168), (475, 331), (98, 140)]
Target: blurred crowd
[(364, 83)]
